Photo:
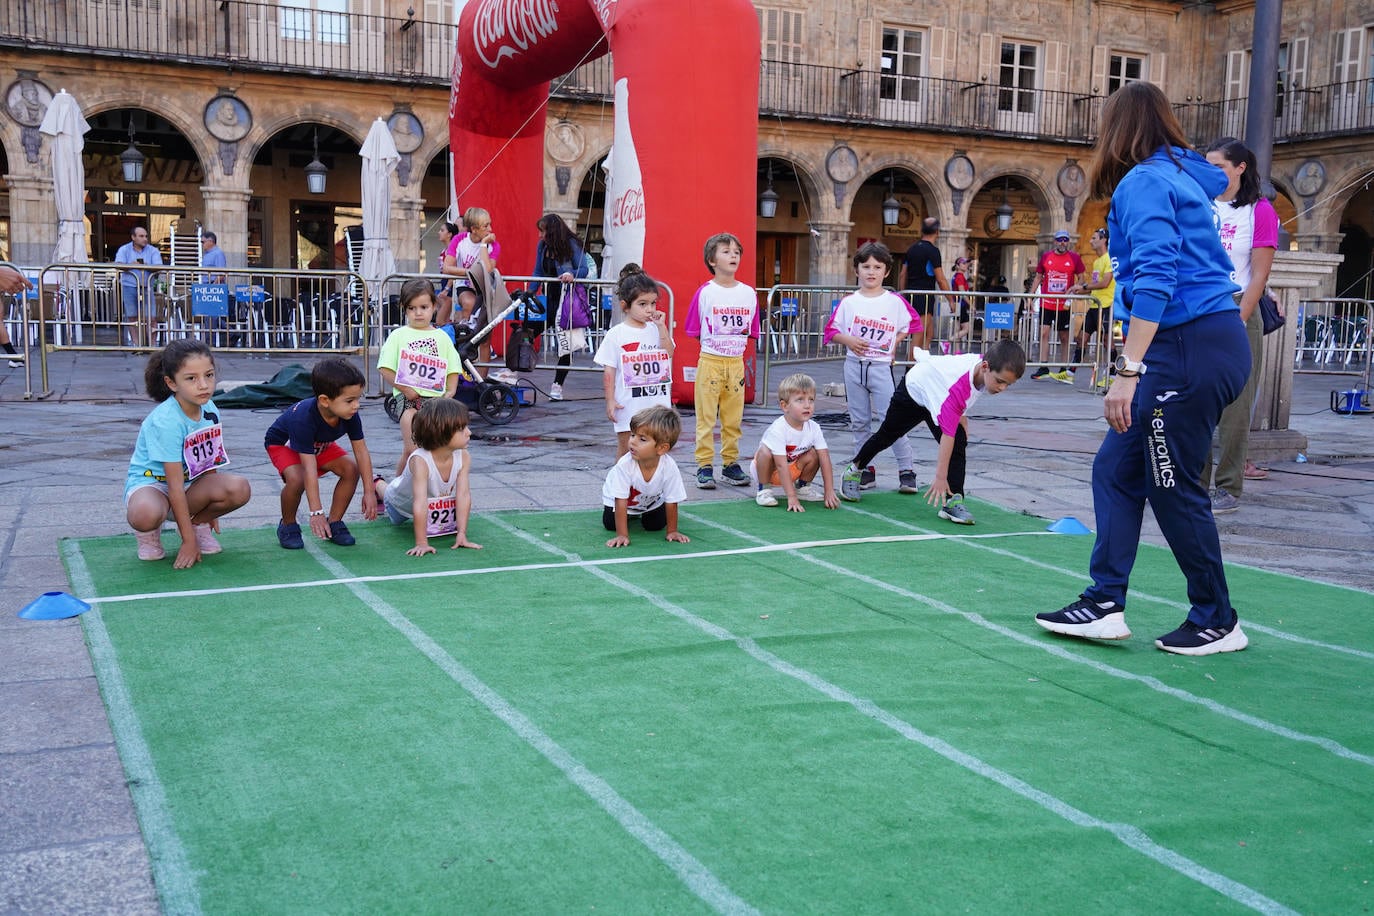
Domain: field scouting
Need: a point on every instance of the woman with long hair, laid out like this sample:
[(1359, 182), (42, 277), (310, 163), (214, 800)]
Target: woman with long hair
[(1185, 358), (1250, 234), (560, 255)]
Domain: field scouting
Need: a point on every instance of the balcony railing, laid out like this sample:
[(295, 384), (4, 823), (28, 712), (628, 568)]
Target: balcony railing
[(266, 36), (263, 36), (1336, 109)]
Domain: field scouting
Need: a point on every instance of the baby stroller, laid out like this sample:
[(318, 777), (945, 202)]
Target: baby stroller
[(496, 401)]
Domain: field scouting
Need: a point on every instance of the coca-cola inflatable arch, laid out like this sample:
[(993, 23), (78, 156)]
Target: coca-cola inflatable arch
[(689, 70)]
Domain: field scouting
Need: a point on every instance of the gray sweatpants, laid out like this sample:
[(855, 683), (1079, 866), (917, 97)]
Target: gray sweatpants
[(868, 388)]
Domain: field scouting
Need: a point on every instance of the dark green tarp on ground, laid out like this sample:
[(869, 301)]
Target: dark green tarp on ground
[(288, 386)]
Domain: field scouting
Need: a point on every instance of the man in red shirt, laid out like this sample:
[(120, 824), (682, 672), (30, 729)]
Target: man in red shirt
[(1059, 271)]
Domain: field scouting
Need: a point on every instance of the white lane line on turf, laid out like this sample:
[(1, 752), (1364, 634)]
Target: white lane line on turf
[(172, 873), (528, 567), (1078, 575), (1128, 834), (1153, 683), (696, 876)]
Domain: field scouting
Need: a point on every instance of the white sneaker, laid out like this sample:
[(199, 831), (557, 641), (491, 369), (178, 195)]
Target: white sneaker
[(765, 498), (505, 375), (16, 363), (810, 493), (555, 392)]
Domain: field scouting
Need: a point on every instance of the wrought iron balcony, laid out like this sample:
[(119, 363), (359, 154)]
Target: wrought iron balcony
[(865, 97), (259, 36), (267, 36), (1336, 109)]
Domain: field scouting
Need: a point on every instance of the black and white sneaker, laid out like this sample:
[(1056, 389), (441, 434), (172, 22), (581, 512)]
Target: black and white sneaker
[(1191, 639), (1087, 619)]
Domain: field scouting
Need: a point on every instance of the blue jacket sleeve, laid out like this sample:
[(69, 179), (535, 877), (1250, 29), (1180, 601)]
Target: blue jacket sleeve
[(1148, 213)]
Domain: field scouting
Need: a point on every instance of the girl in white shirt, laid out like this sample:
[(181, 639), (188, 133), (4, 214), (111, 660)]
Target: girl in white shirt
[(637, 355), (432, 492)]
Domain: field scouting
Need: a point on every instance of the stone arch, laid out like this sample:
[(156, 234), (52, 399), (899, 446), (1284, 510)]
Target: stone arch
[(806, 171), (171, 110), (928, 185), (263, 131), (1040, 194)]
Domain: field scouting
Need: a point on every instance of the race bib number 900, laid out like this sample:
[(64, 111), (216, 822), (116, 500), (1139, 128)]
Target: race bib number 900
[(646, 367)]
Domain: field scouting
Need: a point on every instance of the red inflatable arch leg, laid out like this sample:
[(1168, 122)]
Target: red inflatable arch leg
[(691, 68)]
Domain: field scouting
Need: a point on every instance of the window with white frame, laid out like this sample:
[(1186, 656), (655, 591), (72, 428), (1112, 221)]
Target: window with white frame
[(782, 32), (1124, 68), (902, 64), (314, 20), (1018, 77)]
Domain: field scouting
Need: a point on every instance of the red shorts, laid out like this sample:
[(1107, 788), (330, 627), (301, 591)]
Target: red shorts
[(284, 456)]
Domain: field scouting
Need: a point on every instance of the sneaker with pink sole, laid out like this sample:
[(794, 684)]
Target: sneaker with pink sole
[(149, 545), (205, 540)]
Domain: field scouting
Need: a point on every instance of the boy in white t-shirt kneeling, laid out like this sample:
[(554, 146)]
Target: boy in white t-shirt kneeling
[(793, 450), (645, 483)]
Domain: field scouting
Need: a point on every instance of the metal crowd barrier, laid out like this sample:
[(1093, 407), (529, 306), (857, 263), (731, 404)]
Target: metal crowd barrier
[(263, 311), (17, 327), (794, 318), (605, 312), (1335, 337)]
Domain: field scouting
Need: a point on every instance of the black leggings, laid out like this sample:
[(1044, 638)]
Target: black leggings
[(653, 520), (902, 416)]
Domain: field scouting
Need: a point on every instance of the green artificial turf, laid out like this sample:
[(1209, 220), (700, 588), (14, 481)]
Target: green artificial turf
[(861, 727)]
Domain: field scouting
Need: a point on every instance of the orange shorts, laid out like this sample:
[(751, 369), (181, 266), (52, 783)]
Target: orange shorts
[(793, 471), (284, 456)]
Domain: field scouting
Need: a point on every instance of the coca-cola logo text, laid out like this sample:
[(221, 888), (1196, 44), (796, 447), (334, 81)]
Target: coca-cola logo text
[(629, 207), (503, 27)]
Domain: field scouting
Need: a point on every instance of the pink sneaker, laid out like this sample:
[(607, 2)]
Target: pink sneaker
[(205, 540), (149, 545)]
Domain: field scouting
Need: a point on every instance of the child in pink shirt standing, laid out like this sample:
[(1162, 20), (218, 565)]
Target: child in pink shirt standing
[(870, 324), (724, 314)]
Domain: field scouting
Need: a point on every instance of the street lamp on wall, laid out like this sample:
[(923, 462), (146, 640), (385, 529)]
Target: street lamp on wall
[(892, 207), (768, 200), (131, 160), (1004, 210), (316, 171)]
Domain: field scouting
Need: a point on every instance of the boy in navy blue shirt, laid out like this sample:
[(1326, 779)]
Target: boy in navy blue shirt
[(301, 443)]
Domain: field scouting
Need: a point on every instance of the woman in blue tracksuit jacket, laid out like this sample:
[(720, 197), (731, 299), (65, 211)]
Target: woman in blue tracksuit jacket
[(1185, 358)]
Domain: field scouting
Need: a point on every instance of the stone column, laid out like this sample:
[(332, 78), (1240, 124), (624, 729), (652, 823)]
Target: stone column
[(33, 220), (1296, 275), (1319, 242), (226, 215), (831, 254), (407, 213), (953, 241)]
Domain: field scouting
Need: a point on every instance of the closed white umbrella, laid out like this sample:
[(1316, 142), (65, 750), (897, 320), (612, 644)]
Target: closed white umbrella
[(64, 123), (379, 161)]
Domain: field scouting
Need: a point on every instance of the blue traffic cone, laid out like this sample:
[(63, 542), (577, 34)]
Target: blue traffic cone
[(53, 606), (1069, 525)]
